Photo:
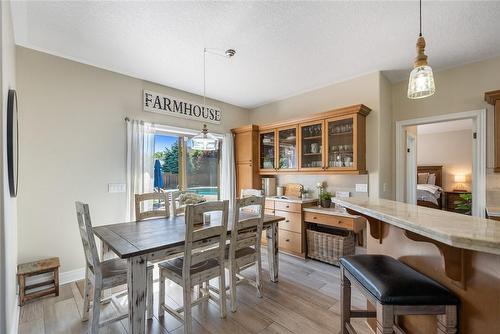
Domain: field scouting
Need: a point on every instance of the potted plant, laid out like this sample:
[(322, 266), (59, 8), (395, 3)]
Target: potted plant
[(325, 199), (465, 203)]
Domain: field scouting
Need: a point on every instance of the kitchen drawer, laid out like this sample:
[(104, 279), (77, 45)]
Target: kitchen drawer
[(290, 242), (292, 222), (287, 206), (269, 204), (269, 212), (329, 220)]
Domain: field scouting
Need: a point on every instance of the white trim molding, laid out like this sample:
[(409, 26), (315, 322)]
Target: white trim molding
[(478, 154)]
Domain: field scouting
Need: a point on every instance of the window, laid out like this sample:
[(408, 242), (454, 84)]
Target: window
[(185, 168)]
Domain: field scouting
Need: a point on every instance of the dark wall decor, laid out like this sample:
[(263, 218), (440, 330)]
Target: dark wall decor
[(12, 142)]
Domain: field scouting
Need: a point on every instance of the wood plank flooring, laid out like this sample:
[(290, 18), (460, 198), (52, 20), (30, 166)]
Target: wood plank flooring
[(304, 301)]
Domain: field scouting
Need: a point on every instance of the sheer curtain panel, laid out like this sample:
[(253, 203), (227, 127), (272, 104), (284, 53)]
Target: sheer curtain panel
[(228, 170)]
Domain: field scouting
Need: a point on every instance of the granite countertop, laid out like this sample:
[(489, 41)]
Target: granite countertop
[(450, 228), (329, 211), (291, 199)]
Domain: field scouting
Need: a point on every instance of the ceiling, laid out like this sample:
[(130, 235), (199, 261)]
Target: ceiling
[(283, 48), (463, 124)]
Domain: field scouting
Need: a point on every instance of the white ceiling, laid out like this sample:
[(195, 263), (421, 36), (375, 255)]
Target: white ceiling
[(283, 48), (463, 124)]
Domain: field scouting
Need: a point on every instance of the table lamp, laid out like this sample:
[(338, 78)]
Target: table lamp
[(459, 180)]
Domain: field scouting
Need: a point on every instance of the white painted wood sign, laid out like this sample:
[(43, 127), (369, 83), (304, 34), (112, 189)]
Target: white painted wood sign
[(172, 106)]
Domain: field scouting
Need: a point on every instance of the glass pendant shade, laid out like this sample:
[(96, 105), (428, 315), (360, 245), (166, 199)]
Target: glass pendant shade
[(204, 141), (421, 83)]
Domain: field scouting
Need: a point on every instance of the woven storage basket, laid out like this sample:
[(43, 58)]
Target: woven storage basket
[(329, 247)]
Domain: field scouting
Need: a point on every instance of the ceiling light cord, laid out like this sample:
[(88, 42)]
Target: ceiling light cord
[(204, 76), (420, 34)]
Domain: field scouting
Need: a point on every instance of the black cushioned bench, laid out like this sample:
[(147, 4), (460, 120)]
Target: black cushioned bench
[(395, 289)]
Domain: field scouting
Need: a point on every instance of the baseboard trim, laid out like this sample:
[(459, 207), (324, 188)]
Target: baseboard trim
[(72, 276)]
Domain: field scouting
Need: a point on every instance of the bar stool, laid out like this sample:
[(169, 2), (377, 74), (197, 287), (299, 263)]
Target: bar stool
[(395, 289)]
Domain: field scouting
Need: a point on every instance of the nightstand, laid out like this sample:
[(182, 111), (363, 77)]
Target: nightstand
[(452, 198)]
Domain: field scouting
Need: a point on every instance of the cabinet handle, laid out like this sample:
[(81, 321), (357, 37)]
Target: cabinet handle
[(287, 206), (287, 240), (315, 217), (339, 222), (287, 221)]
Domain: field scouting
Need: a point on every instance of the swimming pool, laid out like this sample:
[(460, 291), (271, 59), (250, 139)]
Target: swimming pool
[(205, 191)]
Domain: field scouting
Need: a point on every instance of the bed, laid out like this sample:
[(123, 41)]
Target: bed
[(429, 193)]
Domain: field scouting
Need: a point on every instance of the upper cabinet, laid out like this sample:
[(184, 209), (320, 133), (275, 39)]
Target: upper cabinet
[(287, 148), (329, 142), (311, 146)]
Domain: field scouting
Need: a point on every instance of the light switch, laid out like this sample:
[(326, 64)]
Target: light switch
[(117, 187), (361, 187)]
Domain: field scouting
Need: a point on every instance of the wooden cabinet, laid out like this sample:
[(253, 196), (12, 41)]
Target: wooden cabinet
[(267, 151), (311, 156), (246, 158), (286, 148), (493, 98)]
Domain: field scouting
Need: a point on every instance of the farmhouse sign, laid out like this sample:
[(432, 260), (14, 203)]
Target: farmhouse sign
[(168, 105)]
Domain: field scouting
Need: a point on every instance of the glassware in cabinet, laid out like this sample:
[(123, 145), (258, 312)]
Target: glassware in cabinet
[(341, 143), (311, 146), (287, 148), (266, 151)]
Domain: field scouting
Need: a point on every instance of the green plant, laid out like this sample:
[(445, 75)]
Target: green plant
[(465, 203), (325, 196)]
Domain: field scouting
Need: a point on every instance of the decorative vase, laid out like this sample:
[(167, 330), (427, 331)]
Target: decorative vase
[(325, 203)]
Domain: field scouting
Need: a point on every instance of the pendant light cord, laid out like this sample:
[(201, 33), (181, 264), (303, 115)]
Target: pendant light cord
[(420, 18), (204, 76)]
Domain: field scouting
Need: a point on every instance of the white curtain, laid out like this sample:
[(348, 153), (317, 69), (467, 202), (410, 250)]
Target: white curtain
[(228, 170), (140, 173)]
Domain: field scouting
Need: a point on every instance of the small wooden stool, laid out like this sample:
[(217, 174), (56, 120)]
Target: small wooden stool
[(50, 286), (395, 289)]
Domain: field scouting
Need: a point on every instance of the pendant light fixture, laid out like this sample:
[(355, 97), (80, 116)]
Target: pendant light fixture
[(206, 141), (421, 83)]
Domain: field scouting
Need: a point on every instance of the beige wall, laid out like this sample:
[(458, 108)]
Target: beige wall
[(8, 206), (365, 90), (73, 145), (458, 89), (452, 150)]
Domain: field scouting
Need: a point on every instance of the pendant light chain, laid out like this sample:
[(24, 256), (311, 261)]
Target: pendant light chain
[(420, 18)]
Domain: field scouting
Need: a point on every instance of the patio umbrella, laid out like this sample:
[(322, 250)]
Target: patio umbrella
[(158, 180)]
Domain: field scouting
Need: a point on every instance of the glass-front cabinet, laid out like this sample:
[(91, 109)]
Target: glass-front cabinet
[(287, 148), (341, 144), (267, 155), (311, 146)]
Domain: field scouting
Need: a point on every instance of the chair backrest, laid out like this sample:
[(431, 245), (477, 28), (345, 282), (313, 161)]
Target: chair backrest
[(176, 206), (250, 192), (155, 212), (199, 239), (87, 236), (247, 230)]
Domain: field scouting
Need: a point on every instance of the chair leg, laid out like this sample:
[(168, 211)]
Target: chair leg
[(258, 275), (96, 307), (385, 319), (447, 323), (345, 301), (222, 290), (232, 286), (188, 321), (161, 298), (86, 296), (149, 291)]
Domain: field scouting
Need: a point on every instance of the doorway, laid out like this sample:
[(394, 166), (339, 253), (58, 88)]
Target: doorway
[(405, 164)]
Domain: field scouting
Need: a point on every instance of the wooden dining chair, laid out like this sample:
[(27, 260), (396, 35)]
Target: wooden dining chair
[(243, 250), (140, 200), (103, 274), (250, 192), (200, 263)]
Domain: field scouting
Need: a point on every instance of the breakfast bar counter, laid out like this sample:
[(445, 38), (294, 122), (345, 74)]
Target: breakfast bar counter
[(459, 251)]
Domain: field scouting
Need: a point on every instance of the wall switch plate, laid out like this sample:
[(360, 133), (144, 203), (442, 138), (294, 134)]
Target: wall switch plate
[(361, 187), (117, 187), (342, 194)]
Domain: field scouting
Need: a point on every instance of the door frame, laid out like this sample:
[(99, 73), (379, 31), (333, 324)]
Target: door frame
[(411, 169), (478, 154)]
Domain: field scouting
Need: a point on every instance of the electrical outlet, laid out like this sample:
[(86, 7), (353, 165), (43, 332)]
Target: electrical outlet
[(117, 187), (361, 187)]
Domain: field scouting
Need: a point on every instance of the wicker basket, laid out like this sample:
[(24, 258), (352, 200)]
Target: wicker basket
[(328, 247)]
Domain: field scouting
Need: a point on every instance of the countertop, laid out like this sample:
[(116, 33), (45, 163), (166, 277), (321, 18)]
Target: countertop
[(450, 228), (291, 199)]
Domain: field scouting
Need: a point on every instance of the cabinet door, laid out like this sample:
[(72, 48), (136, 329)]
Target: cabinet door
[(287, 148), (311, 146), (244, 177), (267, 155), (243, 144), (341, 143)]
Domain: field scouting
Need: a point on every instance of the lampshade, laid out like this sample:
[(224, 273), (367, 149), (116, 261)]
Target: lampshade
[(204, 141), (421, 83), (459, 178)]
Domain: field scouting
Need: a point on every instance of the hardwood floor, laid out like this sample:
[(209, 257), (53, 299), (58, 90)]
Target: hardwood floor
[(304, 301)]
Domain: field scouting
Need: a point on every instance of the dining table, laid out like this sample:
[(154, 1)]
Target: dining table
[(160, 238)]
